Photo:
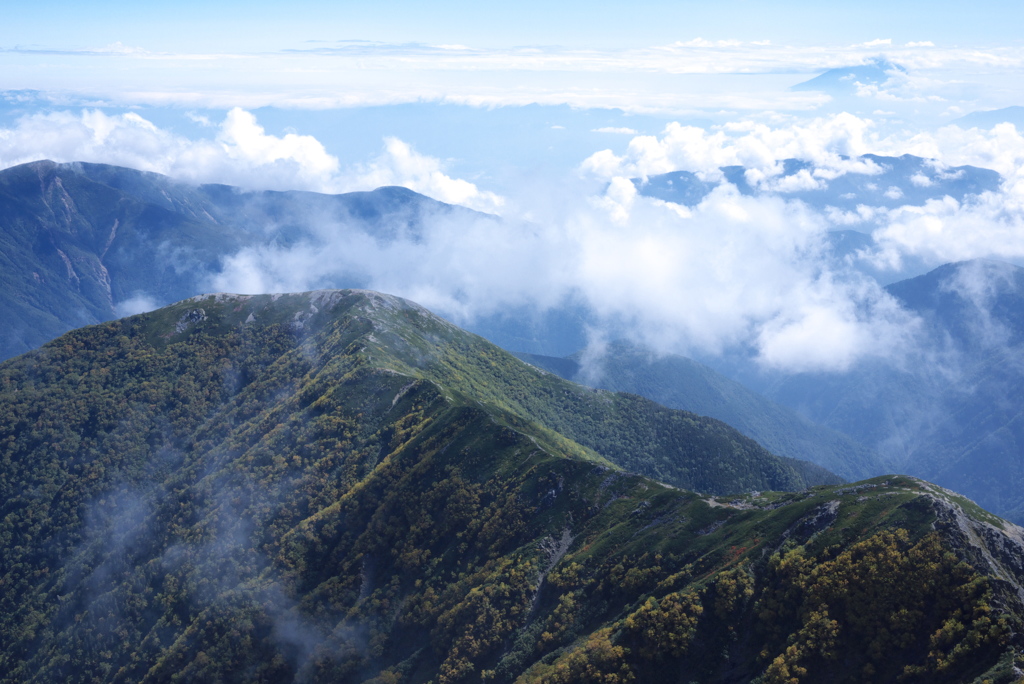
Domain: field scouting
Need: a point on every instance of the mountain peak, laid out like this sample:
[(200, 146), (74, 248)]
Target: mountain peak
[(844, 80)]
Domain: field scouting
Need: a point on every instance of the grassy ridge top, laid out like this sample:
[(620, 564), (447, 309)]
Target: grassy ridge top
[(678, 447)]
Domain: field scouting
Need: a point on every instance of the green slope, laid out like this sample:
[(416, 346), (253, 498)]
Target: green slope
[(339, 486), (681, 383)]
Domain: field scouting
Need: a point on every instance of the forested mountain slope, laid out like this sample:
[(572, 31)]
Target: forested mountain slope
[(339, 486), (682, 383)]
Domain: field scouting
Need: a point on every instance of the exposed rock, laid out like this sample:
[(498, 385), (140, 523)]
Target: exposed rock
[(188, 319)]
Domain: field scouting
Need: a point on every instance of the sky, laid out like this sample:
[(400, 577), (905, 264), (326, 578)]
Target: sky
[(542, 113), (256, 25)]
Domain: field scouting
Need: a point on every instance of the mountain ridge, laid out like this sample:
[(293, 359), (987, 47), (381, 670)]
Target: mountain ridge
[(951, 413), (81, 240), (682, 383), (326, 487)]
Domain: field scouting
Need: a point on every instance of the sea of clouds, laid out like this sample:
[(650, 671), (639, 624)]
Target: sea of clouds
[(733, 272)]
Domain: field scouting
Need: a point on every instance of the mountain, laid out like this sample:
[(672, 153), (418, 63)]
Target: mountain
[(992, 117), (83, 243), (893, 182), (339, 486), (950, 412), (682, 383), (844, 80)]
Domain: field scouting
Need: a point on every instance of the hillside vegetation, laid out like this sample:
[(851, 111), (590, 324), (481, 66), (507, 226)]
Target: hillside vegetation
[(682, 383), (339, 486)]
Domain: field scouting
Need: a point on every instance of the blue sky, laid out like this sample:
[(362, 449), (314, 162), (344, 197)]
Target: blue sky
[(232, 25)]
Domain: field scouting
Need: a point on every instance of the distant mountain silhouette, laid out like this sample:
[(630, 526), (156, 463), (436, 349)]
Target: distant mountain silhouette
[(993, 117), (844, 80), (80, 240)]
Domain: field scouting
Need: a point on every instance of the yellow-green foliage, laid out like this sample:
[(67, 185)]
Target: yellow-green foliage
[(253, 503), (664, 627), (881, 598), (495, 606), (562, 619), (733, 588), (596, 661)]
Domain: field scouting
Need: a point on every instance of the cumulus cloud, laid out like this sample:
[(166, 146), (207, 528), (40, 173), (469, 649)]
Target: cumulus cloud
[(824, 141), (734, 271), (241, 153), (400, 164), (943, 229), (140, 303), (991, 226)]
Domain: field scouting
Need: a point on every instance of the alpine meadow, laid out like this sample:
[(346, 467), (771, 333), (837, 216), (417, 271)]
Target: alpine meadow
[(538, 343)]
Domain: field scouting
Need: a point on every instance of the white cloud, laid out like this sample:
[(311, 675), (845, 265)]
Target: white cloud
[(731, 271), (823, 141), (615, 129), (242, 153), (942, 230), (400, 164), (140, 303), (641, 79)]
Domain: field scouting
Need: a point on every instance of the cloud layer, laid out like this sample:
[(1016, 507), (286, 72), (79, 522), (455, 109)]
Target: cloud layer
[(987, 225), (750, 76), (733, 272)]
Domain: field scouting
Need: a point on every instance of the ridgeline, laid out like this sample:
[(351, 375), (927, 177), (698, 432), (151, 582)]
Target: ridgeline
[(340, 486)]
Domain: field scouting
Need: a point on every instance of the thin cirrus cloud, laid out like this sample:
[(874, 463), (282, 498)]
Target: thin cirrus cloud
[(354, 73)]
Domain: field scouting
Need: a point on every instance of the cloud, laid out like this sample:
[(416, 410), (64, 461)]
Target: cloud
[(622, 130), (400, 164), (733, 272), (241, 153), (137, 304), (941, 230), (656, 78), (824, 141)]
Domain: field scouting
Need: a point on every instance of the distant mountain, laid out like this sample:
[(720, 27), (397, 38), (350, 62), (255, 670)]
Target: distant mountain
[(905, 180), (84, 243), (81, 241), (682, 383), (844, 80), (338, 486), (952, 411), (993, 117)]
